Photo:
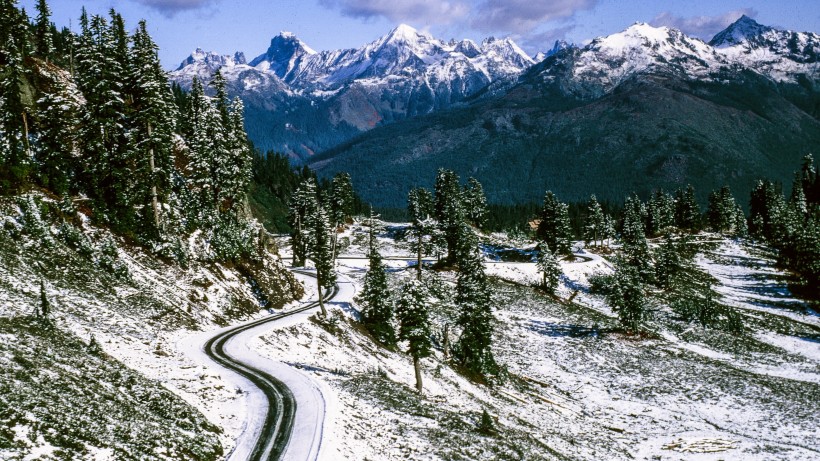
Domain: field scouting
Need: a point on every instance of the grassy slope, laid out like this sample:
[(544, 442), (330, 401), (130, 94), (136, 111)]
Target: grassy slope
[(61, 401)]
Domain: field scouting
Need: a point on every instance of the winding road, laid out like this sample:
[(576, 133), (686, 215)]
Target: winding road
[(275, 430), (278, 424)]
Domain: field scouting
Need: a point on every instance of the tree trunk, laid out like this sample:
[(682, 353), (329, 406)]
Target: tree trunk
[(154, 200), (418, 257), (333, 240), (321, 301), (417, 366), (25, 135), (293, 248), (446, 344)]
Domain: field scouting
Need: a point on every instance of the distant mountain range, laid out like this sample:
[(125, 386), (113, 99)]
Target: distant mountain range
[(643, 108), (300, 101)]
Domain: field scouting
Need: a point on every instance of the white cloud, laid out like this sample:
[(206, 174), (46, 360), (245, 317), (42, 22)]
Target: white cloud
[(421, 12), (522, 16), (704, 27), (172, 7)]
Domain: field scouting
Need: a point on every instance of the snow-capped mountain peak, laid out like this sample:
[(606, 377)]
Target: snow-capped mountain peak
[(740, 31), (559, 45), (207, 62), (285, 53), (779, 54), (405, 34)]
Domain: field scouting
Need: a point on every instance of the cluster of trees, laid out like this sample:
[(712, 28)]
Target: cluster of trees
[(791, 226), (315, 217), (443, 220), (107, 125)]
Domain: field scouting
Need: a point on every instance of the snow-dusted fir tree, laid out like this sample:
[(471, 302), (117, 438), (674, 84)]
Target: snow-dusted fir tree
[(377, 304), (473, 350), (44, 309), (341, 204), (626, 297), (687, 211), (449, 210), (153, 127), (414, 324), (549, 268), (594, 222), (660, 213), (322, 255), (42, 31), (205, 132), (554, 228), (342, 199), (55, 154), (423, 226), (633, 238), (238, 171), (672, 263), (14, 144), (107, 163), (721, 209), (475, 203), (767, 213), (302, 208)]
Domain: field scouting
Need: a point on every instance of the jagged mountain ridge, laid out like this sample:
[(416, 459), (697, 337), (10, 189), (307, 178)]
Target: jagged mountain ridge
[(293, 91), (301, 101), (644, 108)]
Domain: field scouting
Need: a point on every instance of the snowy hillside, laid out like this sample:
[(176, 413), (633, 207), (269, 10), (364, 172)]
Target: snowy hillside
[(577, 387), (782, 56)]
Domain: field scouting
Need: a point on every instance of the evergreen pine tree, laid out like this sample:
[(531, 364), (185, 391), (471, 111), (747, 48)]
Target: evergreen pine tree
[(554, 228), (660, 213), (377, 306), (341, 198), (43, 35), (626, 296), (414, 323), (475, 203), (474, 347), (720, 213), (45, 306), (302, 208), (687, 211), (423, 226), (341, 202), (153, 123), (594, 223), (322, 255), (809, 180), (449, 210), (635, 249), (549, 268), (14, 144), (236, 175), (59, 112), (767, 211)]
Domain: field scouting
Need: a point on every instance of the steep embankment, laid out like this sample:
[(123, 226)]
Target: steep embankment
[(136, 305)]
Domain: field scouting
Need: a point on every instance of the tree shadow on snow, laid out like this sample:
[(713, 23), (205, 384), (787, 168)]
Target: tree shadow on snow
[(557, 330)]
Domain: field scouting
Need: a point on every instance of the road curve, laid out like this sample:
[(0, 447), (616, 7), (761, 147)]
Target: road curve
[(279, 420)]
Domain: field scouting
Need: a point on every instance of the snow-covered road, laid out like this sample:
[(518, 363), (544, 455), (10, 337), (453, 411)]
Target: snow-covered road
[(305, 441)]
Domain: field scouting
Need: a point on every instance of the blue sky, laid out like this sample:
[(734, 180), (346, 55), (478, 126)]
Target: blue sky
[(225, 26)]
